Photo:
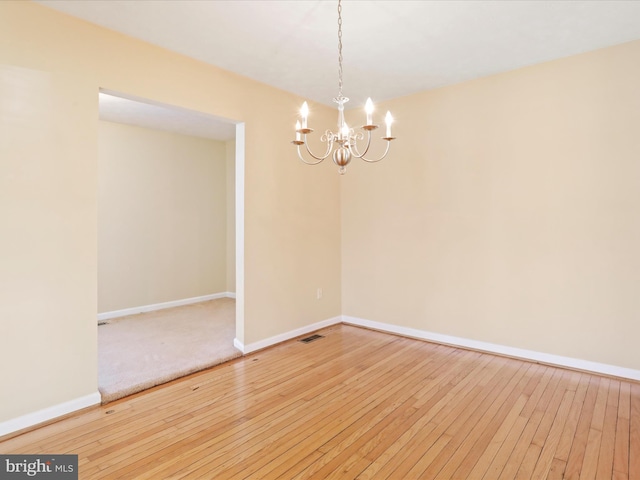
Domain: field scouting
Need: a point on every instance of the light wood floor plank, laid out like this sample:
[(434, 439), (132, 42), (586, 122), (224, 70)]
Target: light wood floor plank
[(568, 433), (519, 452), (474, 443), (549, 443), (492, 447), (540, 439), (605, 457), (556, 472), (359, 404), (579, 440), (621, 449), (594, 439), (634, 433), (535, 384)]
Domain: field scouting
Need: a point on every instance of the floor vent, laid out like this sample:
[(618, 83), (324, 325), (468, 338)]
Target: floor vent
[(310, 339)]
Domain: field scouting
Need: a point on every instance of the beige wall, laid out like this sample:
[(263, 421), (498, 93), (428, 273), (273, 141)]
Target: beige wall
[(47, 235), (162, 216), (51, 69), (508, 212)]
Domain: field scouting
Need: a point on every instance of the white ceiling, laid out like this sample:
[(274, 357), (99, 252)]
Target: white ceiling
[(391, 48)]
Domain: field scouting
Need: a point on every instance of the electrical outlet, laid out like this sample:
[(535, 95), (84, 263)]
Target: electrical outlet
[(319, 294)]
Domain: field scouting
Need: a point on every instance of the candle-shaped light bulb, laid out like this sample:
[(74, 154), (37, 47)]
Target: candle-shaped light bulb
[(297, 132), (345, 130), (304, 113), (368, 107), (388, 120)]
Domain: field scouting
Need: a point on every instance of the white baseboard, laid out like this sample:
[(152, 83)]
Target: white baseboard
[(547, 358), (267, 342), (49, 413), (160, 306)]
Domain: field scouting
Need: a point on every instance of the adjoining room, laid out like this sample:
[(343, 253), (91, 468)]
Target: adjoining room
[(166, 243)]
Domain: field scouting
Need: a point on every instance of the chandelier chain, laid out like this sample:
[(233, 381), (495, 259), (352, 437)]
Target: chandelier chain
[(339, 48)]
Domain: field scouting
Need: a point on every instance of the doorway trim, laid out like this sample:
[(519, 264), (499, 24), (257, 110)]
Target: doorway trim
[(238, 342)]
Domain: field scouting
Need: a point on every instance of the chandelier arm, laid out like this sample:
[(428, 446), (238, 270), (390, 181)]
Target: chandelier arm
[(378, 159), (318, 160), (354, 146), (328, 137)]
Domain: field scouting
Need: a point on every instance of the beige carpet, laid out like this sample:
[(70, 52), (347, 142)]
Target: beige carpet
[(140, 351)]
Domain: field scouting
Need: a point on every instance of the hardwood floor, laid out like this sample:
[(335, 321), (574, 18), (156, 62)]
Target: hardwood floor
[(360, 404)]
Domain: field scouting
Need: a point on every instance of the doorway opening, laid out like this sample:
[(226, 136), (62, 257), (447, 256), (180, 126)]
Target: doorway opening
[(170, 242)]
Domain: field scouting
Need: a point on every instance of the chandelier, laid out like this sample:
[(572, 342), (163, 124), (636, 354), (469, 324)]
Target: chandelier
[(342, 144)]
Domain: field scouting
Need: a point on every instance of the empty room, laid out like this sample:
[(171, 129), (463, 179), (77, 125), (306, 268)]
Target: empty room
[(440, 283)]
